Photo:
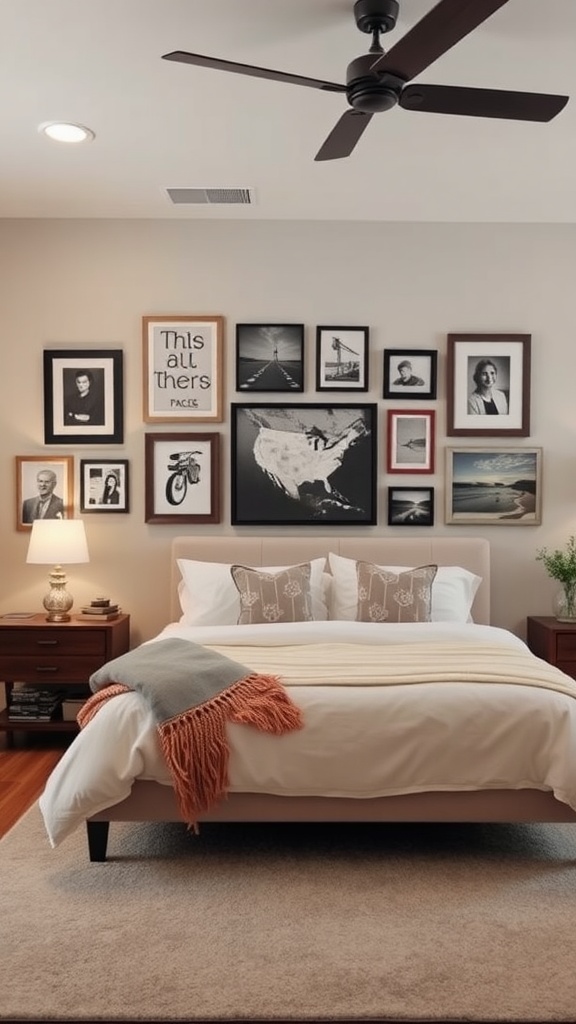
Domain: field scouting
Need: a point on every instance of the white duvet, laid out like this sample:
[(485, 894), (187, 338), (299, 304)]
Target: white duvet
[(358, 741)]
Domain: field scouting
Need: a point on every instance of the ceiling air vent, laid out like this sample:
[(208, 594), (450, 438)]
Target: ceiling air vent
[(210, 196)]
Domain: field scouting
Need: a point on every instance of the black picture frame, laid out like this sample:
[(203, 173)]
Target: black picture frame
[(322, 472), (182, 478), (508, 355), (66, 420), (342, 358), (104, 485), (270, 357), (410, 506), (421, 381)]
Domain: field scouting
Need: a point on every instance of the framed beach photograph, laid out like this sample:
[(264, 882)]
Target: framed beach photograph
[(104, 485), (270, 357), (304, 464), (44, 488), (410, 441), (488, 385), (494, 486), (182, 369), (182, 478), (410, 506), (342, 358), (410, 373), (83, 396)]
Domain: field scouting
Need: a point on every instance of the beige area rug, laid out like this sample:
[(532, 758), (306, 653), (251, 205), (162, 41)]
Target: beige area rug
[(291, 923)]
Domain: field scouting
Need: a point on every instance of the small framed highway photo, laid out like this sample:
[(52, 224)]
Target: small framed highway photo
[(342, 359), (270, 357)]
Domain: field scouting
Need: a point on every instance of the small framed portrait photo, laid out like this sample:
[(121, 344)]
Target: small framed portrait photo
[(410, 441), (182, 478), (488, 382), (104, 485), (342, 358), (83, 396), (410, 506), (270, 357), (44, 488), (410, 373)]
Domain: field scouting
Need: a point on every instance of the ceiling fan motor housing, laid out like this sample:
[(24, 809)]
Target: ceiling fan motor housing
[(376, 15), (369, 92)]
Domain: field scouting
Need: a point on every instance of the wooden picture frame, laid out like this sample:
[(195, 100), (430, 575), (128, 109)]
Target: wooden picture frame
[(410, 506), (182, 478), (83, 396), (304, 464), (270, 357), (494, 486), (56, 488), (342, 358), (410, 374), (104, 485), (410, 441), (182, 369), (488, 385)]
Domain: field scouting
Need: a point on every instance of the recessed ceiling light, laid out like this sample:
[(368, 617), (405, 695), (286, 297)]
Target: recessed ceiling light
[(62, 132)]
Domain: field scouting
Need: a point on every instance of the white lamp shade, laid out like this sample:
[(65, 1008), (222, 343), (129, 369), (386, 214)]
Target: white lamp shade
[(57, 542)]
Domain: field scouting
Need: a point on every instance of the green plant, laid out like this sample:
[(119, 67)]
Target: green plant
[(561, 566)]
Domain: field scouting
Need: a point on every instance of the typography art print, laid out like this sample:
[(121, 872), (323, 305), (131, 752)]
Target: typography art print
[(182, 358)]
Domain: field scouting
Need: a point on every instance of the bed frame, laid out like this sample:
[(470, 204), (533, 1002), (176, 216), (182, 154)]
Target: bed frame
[(151, 801)]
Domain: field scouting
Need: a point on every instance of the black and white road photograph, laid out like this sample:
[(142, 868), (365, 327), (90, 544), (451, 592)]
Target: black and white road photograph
[(270, 357)]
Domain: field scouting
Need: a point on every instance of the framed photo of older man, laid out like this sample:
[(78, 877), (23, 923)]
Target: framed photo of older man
[(44, 488), (410, 373), (488, 385)]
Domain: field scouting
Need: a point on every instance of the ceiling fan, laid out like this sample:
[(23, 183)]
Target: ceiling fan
[(378, 80)]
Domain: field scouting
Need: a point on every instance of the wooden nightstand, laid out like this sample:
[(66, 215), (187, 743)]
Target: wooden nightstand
[(553, 641), (55, 654)]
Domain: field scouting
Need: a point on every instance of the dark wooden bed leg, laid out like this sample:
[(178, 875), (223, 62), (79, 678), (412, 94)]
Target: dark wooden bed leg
[(97, 833)]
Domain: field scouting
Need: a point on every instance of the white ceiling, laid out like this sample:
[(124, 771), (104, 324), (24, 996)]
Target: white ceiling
[(163, 125)]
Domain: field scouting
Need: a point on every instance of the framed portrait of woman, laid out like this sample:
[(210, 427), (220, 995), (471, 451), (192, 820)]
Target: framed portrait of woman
[(488, 385)]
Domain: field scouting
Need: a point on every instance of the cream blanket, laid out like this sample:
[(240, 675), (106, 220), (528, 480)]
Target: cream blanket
[(391, 664)]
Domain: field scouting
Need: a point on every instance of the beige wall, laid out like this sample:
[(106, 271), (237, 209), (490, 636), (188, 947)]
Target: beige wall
[(87, 283)]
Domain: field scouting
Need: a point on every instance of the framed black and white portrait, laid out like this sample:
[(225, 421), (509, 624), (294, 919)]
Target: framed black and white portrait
[(488, 385), (410, 506), (83, 396), (342, 358), (304, 464), (44, 488), (104, 485), (270, 357), (410, 373)]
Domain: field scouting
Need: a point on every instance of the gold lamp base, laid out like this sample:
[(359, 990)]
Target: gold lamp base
[(58, 600)]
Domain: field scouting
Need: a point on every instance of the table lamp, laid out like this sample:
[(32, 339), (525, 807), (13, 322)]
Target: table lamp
[(57, 542)]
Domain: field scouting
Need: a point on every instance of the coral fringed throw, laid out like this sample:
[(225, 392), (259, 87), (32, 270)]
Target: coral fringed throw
[(193, 692)]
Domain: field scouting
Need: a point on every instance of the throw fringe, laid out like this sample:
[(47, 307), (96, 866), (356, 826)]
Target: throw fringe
[(194, 744)]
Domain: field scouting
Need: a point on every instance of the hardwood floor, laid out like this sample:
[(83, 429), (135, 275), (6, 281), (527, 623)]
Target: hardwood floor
[(24, 769)]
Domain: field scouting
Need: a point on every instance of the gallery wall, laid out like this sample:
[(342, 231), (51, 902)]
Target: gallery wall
[(87, 284)]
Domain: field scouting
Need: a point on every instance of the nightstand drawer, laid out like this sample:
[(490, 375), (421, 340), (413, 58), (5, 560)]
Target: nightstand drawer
[(44, 667), (59, 641), (569, 667), (566, 646)]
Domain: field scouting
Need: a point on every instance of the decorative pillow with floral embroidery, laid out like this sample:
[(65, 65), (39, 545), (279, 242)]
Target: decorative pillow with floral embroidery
[(386, 596), (273, 597)]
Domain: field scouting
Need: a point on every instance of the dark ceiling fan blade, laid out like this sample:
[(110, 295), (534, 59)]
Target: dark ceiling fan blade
[(446, 24), (344, 135), (249, 69), (449, 99)]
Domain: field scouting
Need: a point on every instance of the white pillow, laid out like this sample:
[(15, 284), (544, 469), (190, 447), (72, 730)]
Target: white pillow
[(209, 597), (453, 590)]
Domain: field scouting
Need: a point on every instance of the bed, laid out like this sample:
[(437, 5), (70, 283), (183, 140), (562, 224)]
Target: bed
[(509, 755)]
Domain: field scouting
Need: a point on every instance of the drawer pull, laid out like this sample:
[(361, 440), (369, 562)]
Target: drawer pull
[(47, 668), (47, 643)]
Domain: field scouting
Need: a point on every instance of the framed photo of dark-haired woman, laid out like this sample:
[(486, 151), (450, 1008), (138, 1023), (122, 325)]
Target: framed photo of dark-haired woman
[(410, 373), (104, 485), (488, 382), (83, 396)]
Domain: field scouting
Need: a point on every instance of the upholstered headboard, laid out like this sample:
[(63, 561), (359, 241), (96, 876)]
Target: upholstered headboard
[(471, 553)]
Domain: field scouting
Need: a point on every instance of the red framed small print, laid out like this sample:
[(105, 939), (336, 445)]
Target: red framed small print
[(410, 441)]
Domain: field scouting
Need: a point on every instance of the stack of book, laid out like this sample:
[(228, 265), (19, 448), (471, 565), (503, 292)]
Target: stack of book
[(35, 704), (100, 610)]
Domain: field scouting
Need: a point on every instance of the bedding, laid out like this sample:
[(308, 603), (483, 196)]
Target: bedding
[(465, 724)]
